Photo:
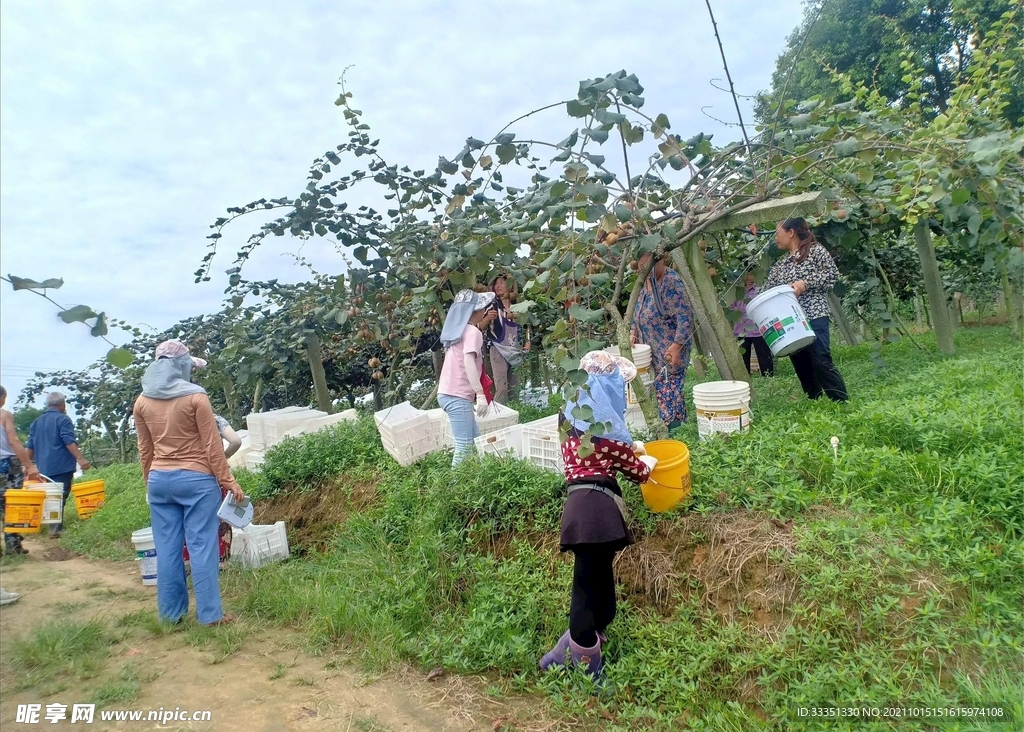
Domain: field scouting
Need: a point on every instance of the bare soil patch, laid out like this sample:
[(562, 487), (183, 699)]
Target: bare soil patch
[(252, 678)]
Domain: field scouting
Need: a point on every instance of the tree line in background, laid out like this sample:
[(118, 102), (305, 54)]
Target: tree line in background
[(902, 146)]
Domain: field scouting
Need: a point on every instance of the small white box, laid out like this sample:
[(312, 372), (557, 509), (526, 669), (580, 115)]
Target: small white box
[(237, 514)]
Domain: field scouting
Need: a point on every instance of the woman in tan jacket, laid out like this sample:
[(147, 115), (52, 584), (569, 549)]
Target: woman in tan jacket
[(184, 467)]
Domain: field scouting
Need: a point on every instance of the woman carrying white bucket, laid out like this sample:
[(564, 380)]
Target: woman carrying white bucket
[(809, 269)]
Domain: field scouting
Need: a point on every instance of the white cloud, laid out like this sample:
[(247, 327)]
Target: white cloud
[(126, 128)]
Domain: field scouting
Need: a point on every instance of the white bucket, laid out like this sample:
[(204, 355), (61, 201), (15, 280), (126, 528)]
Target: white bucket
[(722, 407), (53, 504), (145, 552), (781, 320), (641, 355)]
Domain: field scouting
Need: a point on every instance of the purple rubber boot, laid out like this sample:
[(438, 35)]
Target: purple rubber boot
[(588, 658), (556, 656)]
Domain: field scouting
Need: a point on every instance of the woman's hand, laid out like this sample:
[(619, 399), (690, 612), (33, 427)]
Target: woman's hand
[(632, 338), (799, 287), (236, 492), (672, 355), (486, 321)]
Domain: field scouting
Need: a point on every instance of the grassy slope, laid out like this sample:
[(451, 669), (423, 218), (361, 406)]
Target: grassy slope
[(904, 557)]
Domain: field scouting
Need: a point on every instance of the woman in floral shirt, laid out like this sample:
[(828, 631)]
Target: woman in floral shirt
[(809, 269), (664, 321), (593, 520)]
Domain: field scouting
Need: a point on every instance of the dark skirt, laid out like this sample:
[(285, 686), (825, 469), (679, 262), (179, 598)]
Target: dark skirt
[(591, 517)]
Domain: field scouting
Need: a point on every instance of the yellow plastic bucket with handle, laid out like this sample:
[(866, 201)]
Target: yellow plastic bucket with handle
[(23, 510), (669, 482), (89, 497)]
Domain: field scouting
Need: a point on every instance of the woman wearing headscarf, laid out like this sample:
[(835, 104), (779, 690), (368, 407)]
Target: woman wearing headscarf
[(809, 269), (460, 391), (594, 517), (184, 467), (664, 321), (505, 350)]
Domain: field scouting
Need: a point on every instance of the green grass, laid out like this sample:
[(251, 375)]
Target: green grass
[(121, 690), (58, 655), (903, 564), (108, 533)]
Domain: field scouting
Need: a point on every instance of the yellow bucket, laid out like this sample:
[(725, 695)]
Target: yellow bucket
[(89, 497), (23, 512), (669, 482)]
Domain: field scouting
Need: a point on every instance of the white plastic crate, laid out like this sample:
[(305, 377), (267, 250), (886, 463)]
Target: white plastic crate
[(397, 413), (410, 439), (439, 422), (256, 421), (276, 426), (315, 424), (543, 448), (259, 544), (253, 459), (544, 423), (506, 441)]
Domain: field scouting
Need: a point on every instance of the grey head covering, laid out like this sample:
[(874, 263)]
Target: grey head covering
[(169, 377), (466, 303)]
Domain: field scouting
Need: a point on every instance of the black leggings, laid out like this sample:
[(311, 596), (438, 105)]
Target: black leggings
[(592, 608), (814, 367), (765, 360)]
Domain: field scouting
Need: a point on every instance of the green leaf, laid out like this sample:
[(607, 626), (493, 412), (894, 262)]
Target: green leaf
[(100, 329), (609, 118), (570, 140), (575, 108), (77, 314), (341, 317), (974, 224), (120, 358), (596, 135), (846, 148), (581, 313), (622, 213), (960, 196), (660, 125), (23, 283), (505, 153)]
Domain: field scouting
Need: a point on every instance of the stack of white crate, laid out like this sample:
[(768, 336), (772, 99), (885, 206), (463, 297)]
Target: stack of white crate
[(407, 433)]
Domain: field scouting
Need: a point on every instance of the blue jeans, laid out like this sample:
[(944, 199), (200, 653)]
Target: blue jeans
[(183, 507), (463, 421)]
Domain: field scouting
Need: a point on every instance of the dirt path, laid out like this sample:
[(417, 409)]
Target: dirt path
[(252, 679)]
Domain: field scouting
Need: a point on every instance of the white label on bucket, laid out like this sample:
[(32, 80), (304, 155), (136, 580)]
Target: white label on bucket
[(708, 422), (147, 564)]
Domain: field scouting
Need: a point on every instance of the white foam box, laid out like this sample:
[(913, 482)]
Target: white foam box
[(506, 441), (318, 423)]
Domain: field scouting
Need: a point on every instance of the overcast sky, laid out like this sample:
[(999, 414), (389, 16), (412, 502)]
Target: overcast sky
[(127, 127)]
